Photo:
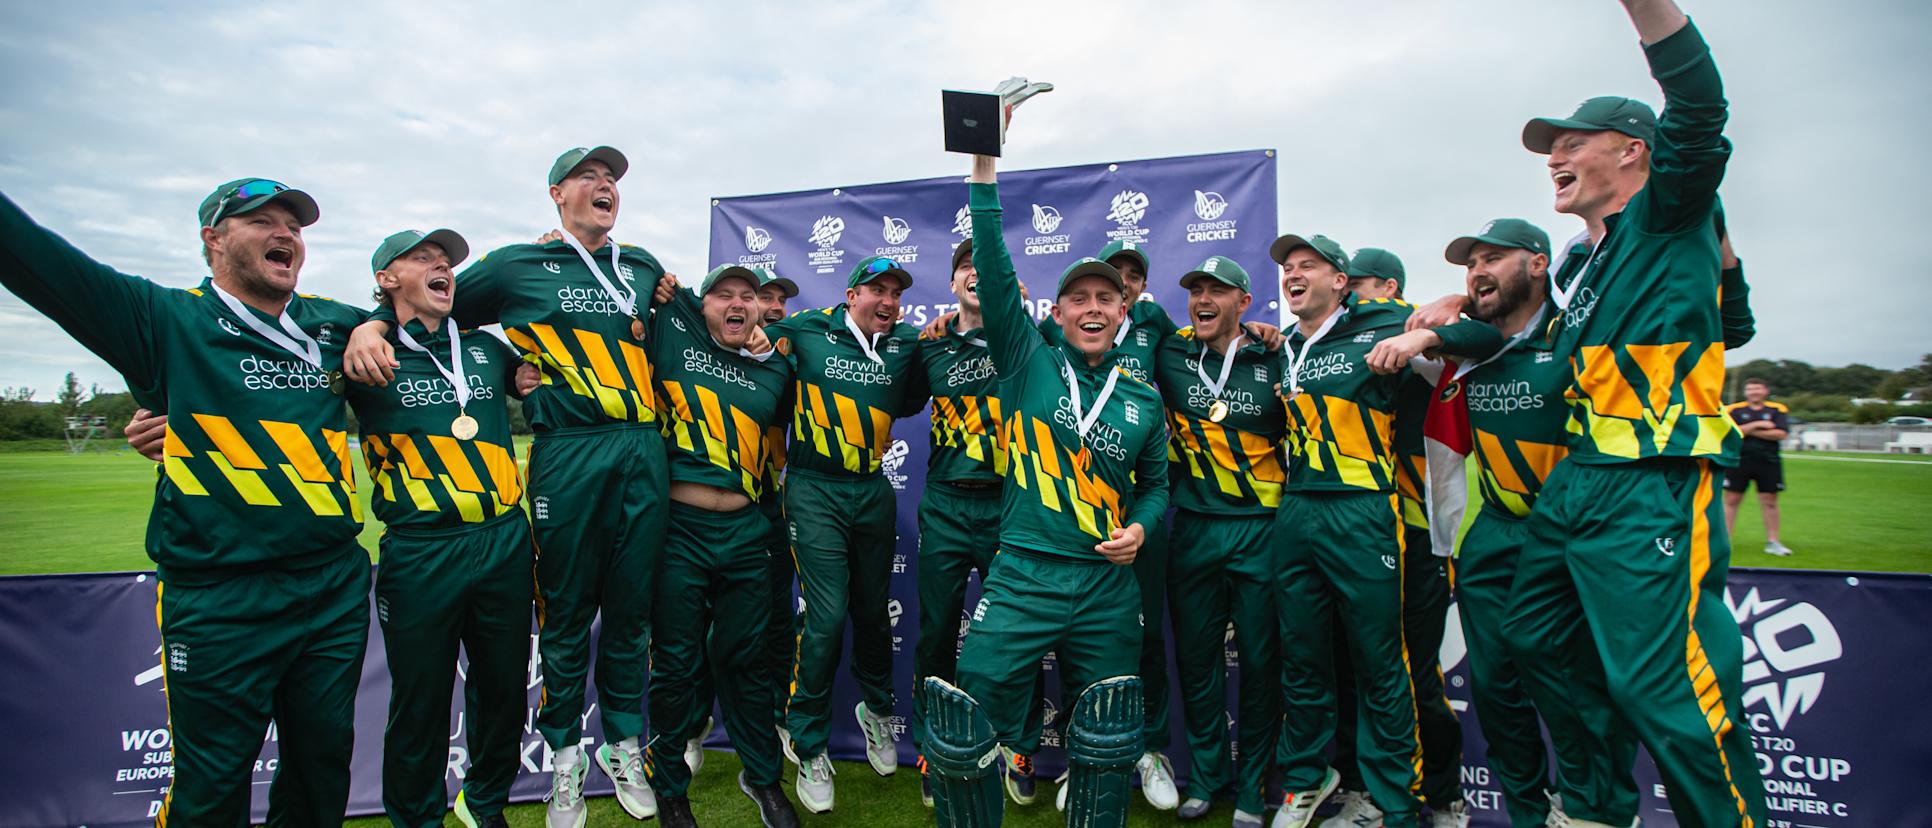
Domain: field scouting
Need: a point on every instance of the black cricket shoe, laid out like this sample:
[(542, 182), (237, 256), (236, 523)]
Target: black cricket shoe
[(774, 810), (675, 812)]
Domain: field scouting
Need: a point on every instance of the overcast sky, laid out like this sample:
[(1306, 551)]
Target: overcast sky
[(1397, 123)]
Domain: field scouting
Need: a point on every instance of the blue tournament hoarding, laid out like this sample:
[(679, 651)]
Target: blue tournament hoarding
[(1834, 698)]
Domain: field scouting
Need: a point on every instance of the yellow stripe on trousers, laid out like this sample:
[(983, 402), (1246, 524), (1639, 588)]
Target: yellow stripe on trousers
[(1710, 697)]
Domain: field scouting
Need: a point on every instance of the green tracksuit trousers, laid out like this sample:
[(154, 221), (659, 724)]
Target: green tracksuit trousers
[(1150, 572), (1486, 566), (842, 536)]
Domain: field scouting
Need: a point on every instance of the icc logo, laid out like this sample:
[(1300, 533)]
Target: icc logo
[(826, 231), (896, 230), (1209, 206), (963, 223), (1128, 207), (1045, 219), (756, 239), (1786, 646)]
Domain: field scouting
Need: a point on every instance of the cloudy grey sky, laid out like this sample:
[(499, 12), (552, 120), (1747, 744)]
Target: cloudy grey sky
[(1397, 123)]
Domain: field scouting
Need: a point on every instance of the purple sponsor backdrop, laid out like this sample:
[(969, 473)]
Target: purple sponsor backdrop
[(1835, 690)]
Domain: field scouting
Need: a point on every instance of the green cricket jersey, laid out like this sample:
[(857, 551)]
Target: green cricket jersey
[(718, 402), (1236, 466), (1517, 414), (425, 478), (1643, 332), (844, 402), (1411, 468), (1059, 500), (1137, 344), (256, 471), (966, 446), (595, 369)]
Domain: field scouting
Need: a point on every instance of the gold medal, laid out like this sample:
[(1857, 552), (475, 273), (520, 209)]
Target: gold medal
[(1218, 411), (1552, 330), (337, 385), (463, 427), (637, 329)]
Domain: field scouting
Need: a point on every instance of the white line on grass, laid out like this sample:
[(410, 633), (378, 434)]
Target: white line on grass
[(1859, 460)]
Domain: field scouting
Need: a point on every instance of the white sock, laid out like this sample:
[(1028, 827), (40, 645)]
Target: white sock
[(567, 757)]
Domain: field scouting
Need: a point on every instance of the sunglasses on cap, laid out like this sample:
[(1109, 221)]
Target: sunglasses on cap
[(242, 193), (881, 266)]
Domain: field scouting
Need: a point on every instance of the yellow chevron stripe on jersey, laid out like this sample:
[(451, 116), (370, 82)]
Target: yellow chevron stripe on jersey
[(247, 483), (228, 441)]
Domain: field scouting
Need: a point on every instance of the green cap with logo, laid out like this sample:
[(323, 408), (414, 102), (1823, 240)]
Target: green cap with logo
[(1218, 268), (767, 276), (1503, 232), (1379, 263), (399, 243), (728, 271), (244, 195), (1118, 248), (1090, 266), (573, 158), (872, 267), (1323, 246), (962, 254), (1626, 115)]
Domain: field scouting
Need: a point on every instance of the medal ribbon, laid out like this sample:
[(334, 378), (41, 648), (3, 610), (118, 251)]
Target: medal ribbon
[(1085, 419), (1297, 359), (1530, 329), (295, 341), (626, 302), (1562, 296), (1227, 364), (867, 344), (454, 373)]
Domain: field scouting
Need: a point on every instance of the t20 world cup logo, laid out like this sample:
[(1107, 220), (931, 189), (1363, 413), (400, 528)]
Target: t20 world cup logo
[(1786, 648), (963, 223), (826, 231), (1127, 207)]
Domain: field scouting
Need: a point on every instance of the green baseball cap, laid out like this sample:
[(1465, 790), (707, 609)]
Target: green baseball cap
[(1503, 232), (872, 267), (962, 253), (1090, 266), (723, 272), (1323, 246), (574, 158), (1124, 248), (399, 243), (1220, 268), (1628, 116), (767, 276), (244, 195), (1379, 263)]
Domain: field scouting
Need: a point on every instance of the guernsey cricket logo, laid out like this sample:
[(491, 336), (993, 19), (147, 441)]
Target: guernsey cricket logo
[(896, 230), (1128, 207), (756, 239), (1046, 219), (1209, 206), (826, 231), (1786, 647)]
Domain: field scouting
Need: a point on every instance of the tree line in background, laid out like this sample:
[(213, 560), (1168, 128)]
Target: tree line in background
[(22, 418), (1855, 393)]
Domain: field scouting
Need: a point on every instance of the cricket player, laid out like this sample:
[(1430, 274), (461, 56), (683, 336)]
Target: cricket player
[(857, 369), (1763, 423), (1087, 477), (1642, 332), (597, 475), (262, 594), (714, 589), (1338, 536), (959, 514), (1228, 469), (1376, 273)]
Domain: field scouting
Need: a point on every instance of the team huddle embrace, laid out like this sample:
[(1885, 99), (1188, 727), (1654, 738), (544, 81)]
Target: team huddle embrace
[(701, 450)]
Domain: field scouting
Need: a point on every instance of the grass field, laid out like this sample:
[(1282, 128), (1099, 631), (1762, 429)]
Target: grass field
[(88, 512)]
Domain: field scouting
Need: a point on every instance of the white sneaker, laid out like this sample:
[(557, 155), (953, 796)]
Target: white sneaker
[(694, 749), (815, 784), (1299, 810), (1358, 811), (1454, 816), (1060, 797), (566, 809), (625, 767), (879, 747), (785, 745), (1157, 781), (1776, 548), (1243, 819), (1559, 819)]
